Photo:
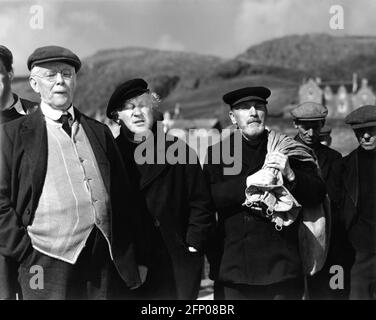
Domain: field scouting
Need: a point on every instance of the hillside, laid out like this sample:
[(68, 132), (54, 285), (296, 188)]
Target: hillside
[(317, 54), (196, 82)]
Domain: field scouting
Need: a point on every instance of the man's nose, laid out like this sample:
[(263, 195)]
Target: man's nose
[(310, 132), (252, 111), (366, 135), (137, 110), (59, 78)]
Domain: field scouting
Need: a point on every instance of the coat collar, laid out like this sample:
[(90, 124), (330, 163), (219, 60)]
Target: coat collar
[(150, 171), (34, 139), (350, 176)]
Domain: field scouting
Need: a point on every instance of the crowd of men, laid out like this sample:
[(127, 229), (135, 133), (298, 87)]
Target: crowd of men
[(77, 200)]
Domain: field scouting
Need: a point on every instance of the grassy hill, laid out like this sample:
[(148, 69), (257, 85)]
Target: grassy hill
[(321, 55), (196, 82)]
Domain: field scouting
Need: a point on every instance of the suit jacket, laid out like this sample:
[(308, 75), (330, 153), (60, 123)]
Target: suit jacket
[(23, 169), (246, 248), (177, 199)]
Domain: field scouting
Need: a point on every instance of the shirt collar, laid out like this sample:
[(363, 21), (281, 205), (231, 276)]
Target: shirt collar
[(55, 114), (17, 105)]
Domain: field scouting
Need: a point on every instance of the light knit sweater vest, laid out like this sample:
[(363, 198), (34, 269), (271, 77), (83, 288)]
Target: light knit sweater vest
[(73, 199)]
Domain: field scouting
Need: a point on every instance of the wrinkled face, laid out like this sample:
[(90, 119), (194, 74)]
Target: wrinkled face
[(5, 80), (309, 131), (366, 138), (250, 118), (137, 113), (55, 82)]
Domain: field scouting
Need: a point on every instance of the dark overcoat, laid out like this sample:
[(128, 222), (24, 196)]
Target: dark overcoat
[(8, 276), (247, 249), (330, 162), (23, 169), (177, 199), (350, 180)]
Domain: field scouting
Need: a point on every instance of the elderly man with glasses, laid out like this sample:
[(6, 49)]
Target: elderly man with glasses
[(62, 217)]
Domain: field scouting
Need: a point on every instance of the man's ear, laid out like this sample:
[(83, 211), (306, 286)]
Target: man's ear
[(231, 115), (295, 125), (11, 74), (34, 84)]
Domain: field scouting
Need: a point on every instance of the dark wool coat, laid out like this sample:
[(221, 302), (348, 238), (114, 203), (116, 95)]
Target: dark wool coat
[(176, 198), (246, 247)]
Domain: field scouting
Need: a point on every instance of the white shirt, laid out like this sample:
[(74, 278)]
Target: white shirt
[(55, 114)]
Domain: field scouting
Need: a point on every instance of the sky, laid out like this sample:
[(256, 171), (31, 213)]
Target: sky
[(223, 28)]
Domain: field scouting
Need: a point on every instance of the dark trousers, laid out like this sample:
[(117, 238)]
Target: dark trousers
[(363, 277), (9, 288), (318, 286), (160, 281), (93, 276), (287, 290)]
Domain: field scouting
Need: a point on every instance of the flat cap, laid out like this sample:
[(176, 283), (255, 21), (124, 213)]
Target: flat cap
[(309, 111), (362, 117), (235, 97), (6, 55), (325, 131), (53, 53), (127, 90)]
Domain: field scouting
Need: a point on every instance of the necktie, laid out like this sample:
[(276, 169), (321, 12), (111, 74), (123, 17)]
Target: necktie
[(64, 119)]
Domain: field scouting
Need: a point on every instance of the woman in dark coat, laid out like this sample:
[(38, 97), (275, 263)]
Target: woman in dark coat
[(176, 212)]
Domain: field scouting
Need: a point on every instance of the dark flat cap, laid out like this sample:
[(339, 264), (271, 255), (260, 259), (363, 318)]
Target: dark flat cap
[(325, 131), (6, 55), (309, 111), (53, 53), (127, 90), (235, 97), (362, 117)]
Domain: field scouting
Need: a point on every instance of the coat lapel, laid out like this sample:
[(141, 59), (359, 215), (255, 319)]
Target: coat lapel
[(34, 140), (322, 157), (97, 138), (351, 176), (153, 171)]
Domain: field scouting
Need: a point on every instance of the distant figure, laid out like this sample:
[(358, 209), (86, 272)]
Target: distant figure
[(359, 181), (11, 106), (309, 118), (325, 136)]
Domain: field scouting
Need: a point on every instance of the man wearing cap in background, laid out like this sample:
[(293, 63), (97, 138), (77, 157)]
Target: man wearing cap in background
[(11, 106), (177, 213), (251, 259), (63, 193), (325, 136), (359, 210), (309, 119)]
